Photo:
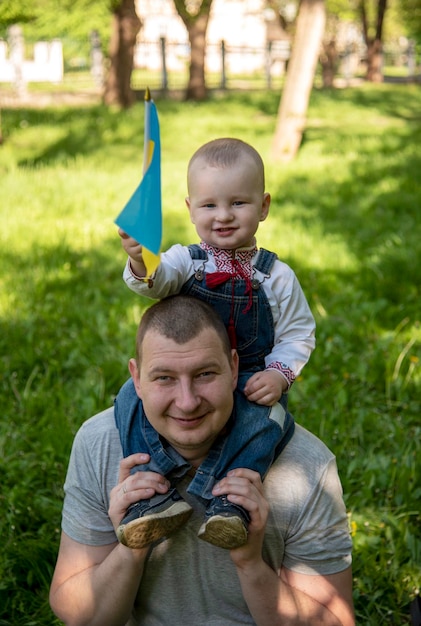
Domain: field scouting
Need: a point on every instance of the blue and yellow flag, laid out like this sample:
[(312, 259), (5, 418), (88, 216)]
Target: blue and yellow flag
[(141, 218)]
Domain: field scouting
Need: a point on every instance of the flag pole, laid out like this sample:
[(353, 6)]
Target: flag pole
[(147, 131)]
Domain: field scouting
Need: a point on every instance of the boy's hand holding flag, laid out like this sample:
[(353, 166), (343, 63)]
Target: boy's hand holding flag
[(141, 218)]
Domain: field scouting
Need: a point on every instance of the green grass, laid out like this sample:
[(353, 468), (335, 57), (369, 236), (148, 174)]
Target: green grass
[(345, 214)]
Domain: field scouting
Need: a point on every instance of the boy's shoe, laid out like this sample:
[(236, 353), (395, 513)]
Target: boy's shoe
[(225, 524), (148, 521)]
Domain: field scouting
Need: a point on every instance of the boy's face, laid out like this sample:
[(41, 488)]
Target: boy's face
[(226, 204)]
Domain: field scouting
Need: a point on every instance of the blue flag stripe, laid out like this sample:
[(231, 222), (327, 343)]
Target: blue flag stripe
[(141, 218)]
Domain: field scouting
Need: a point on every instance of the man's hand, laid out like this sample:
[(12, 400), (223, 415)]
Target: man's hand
[(265, 387), (244, 487), (134, 487), (134, 251)]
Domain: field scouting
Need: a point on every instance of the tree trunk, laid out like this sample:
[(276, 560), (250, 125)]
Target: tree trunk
[(329, 61), (299, 79), (195, 17), (125, 27), (196, 87), (374, 44), (375, 61)]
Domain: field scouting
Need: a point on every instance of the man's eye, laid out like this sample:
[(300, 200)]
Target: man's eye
[(206, 374)]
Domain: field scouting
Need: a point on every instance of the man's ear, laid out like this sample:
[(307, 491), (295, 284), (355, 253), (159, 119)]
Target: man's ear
[(134, 373), (234, 367)]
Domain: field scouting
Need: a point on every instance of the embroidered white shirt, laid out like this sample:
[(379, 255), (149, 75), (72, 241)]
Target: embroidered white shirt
[(294, 325)]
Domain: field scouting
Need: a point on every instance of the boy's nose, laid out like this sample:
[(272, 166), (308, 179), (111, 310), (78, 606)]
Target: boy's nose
[(224, 214)]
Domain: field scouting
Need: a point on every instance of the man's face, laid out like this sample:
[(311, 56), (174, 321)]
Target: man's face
[(187, 390)]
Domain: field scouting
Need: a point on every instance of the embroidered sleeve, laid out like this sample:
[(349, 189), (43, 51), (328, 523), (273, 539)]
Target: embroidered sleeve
[(283, 369), (143, 279)]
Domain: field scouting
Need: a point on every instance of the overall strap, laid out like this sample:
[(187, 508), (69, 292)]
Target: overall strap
[(197, 253), (127, 414), (265, 261)]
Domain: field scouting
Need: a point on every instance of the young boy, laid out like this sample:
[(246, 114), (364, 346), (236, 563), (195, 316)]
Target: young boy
[(268, 320)]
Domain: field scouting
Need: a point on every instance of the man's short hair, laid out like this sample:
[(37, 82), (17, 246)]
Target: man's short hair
[(225, 152), (181, 318)]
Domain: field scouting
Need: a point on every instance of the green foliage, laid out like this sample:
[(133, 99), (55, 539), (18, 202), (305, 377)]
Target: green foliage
[(341, 9), (72, 21), (411, 16), (191, 10), (402, 18), (344, 214), (14, 12)]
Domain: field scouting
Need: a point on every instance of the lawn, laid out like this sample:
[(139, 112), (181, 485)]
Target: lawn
[(345, 215)]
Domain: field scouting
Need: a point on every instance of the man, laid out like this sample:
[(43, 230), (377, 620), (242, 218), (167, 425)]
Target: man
[(294, 568)]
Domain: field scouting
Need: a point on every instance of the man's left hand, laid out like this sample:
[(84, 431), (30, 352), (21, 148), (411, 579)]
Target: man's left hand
[(244, 487)]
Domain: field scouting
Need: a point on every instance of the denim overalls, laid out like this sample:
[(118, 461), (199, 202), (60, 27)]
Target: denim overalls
[(255, 434)]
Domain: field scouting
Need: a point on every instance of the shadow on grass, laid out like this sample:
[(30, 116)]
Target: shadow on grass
[(96, 128), (63, 356), (82, 132), (390, 102), (375, 210)]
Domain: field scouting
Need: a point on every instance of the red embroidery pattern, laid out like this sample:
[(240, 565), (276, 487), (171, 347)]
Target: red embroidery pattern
[(225, 262), (285, 371)]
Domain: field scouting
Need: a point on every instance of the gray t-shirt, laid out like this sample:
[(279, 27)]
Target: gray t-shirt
[(188, 581)]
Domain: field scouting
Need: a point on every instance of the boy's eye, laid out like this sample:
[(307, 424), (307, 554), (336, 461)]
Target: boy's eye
[(238, 203)]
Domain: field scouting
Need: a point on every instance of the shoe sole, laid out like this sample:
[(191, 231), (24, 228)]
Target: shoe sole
[(224, 532), (143, 531)]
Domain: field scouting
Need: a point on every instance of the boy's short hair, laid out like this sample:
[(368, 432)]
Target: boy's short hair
[(181, 318), (227, 151)]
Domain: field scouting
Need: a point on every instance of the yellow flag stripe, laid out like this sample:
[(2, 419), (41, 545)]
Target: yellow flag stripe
[(151, 261)]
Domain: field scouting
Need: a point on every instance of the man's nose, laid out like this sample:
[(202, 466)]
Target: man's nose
[(187, 399)]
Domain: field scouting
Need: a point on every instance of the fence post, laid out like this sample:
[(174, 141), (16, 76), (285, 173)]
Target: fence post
[(164, 80), (347, 73), (269, 65), (17, 53), (411, 58), (97, 70), (223, 68)]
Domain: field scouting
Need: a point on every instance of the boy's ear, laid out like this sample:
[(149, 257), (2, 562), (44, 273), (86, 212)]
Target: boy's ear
[(187, 201), (265, 206)]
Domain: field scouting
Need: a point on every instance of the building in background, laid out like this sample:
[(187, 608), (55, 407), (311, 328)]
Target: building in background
[(46, 64), (247, 28)]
